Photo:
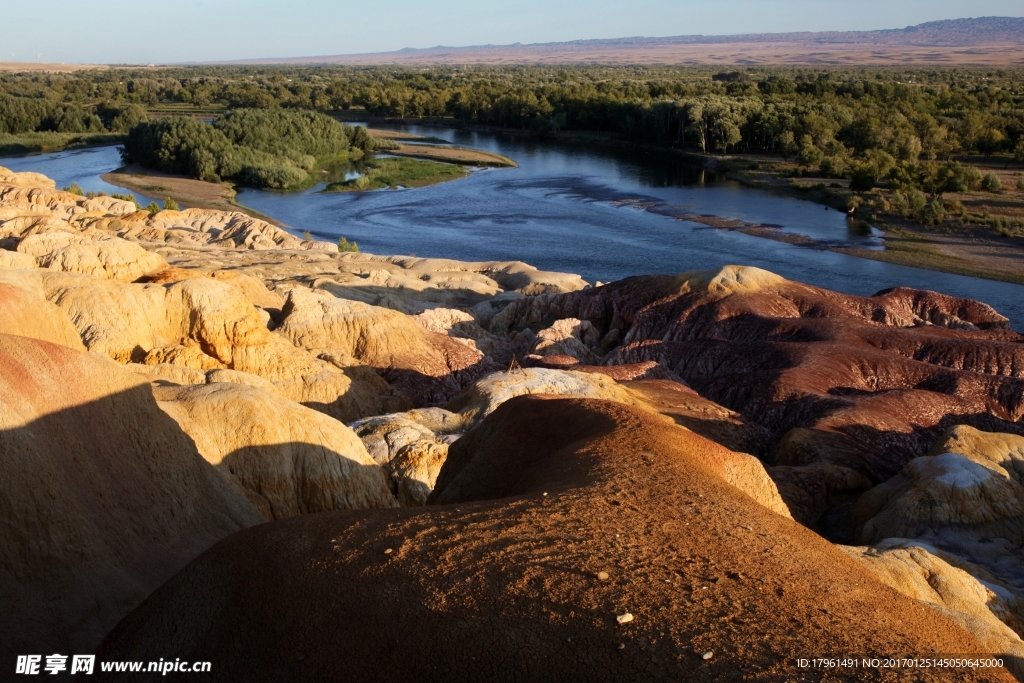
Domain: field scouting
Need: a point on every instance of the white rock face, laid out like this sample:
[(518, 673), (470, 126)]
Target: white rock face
[(483, 397)]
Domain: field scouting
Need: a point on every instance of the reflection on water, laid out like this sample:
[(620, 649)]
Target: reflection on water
[(575, 210)]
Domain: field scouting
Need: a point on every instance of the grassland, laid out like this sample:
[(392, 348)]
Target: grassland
[(393, 173)]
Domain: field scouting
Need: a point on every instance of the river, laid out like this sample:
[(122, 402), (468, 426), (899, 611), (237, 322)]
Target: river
[(567, 208)]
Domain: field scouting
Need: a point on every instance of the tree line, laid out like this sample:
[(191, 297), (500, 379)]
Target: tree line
[(831, 120)]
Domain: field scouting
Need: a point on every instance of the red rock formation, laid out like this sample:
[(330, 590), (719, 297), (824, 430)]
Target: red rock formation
[(862, 383)]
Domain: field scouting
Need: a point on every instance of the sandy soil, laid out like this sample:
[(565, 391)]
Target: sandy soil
[(392, 134), (186, 191), (460, 155)]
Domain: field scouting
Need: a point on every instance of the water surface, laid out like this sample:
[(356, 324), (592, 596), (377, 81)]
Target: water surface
[(573, 209)]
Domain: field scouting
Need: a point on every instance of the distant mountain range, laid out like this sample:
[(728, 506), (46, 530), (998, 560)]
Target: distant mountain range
[(984, 40)]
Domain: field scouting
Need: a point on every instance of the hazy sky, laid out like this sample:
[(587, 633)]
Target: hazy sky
[(168, 31)]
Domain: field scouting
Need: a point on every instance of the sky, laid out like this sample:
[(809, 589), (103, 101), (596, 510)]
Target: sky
[(176, 31)]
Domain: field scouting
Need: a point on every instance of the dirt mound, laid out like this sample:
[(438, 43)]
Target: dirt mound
[(637, 519), (102, 498)]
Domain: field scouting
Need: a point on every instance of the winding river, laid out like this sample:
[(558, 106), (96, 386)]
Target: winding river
[(577, 210)]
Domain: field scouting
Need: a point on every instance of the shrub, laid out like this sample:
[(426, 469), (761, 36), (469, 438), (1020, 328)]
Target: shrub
[(933, 213), (153, 208), (990, 183), (274, 177), (917, 200), (833, 167), (973, 177), (899, 203), (955, 206), (170, 204), (1020, 182), (307, 235), (128, 198), (75, 188), (345, 245)]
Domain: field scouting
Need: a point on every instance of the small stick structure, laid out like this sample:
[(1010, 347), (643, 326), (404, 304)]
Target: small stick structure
[(514, 367)]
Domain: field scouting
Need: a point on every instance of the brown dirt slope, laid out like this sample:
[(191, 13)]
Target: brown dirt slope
[(501, 584)]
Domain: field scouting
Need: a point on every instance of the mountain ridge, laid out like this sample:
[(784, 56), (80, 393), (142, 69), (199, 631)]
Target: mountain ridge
[(947, 33)]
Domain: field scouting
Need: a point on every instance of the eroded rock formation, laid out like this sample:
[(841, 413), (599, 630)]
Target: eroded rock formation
[(666, 431)]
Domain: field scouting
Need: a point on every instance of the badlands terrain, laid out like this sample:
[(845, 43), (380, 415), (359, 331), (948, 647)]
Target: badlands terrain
[(221, 442)]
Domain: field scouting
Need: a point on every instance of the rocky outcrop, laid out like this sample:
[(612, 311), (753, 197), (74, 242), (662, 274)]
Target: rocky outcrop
[(428, 367), (289, 460), (115, 259), (204, 324), (408, 447), (571, 513), (967, 602), (104, 497), (28, 315), (965, 499), (482, 398), (415, 469)]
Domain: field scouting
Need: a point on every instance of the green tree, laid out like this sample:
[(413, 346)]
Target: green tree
[(862, 178), (809, 155), (170, 204), (153, 208), (128, 118)]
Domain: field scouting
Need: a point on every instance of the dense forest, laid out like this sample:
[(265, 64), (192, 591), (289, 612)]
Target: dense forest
[(275, 148), (852, 123)]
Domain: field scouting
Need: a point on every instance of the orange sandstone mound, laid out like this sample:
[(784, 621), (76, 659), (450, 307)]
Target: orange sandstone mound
[(555, 519)]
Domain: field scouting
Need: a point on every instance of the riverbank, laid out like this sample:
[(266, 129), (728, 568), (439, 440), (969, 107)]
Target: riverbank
[(183, 190), (39, 143), (957, 245)]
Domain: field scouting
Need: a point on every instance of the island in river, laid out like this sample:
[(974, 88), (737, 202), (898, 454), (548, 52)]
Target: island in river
[(411, 164)]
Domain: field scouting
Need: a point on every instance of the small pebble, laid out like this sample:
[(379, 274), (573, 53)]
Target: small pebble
[(707, 655), (602, 576), (624, 618), (622, 646), (544, 494), (388, 551)]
